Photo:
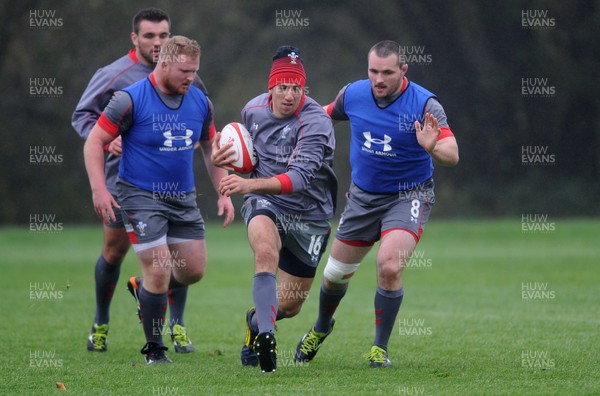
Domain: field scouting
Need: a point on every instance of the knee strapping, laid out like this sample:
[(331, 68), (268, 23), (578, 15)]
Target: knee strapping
[(338, 272)]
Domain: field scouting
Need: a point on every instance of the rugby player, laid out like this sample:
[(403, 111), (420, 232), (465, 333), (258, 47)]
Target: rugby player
[(151, 27), (289, 200), (398, 130), (160, 119)]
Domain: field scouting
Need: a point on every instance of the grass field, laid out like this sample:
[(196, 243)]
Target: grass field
[(488, 309)]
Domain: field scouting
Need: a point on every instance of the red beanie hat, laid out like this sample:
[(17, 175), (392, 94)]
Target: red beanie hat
[(287, 68)]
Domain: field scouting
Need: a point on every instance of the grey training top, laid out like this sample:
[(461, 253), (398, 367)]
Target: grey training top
[(299, 151)]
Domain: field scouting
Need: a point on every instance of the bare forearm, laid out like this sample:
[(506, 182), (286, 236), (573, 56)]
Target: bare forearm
[(234, 184), (215, 173), (93, 154), (445, 152), (265, 186)]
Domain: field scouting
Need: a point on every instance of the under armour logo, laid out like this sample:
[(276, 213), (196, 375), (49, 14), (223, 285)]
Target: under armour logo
[(185, 138), (385, 141), (293, 56)]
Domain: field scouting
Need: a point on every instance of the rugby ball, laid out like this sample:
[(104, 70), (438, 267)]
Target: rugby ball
[(244, 157)]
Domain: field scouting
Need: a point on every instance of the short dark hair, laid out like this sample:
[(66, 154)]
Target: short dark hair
[(385, 48), (149, 14)]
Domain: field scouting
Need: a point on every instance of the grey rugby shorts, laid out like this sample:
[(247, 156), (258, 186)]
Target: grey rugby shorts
[(303, 241), (367, 216), (149, 216)]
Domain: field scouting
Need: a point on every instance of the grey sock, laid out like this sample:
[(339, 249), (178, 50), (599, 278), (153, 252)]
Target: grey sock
[(106, 277), (387, 305), (177, 298), (153, 307), (328, 303), (264, 292)]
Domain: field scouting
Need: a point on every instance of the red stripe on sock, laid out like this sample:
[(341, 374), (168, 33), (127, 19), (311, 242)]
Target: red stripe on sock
[(274, 316)]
